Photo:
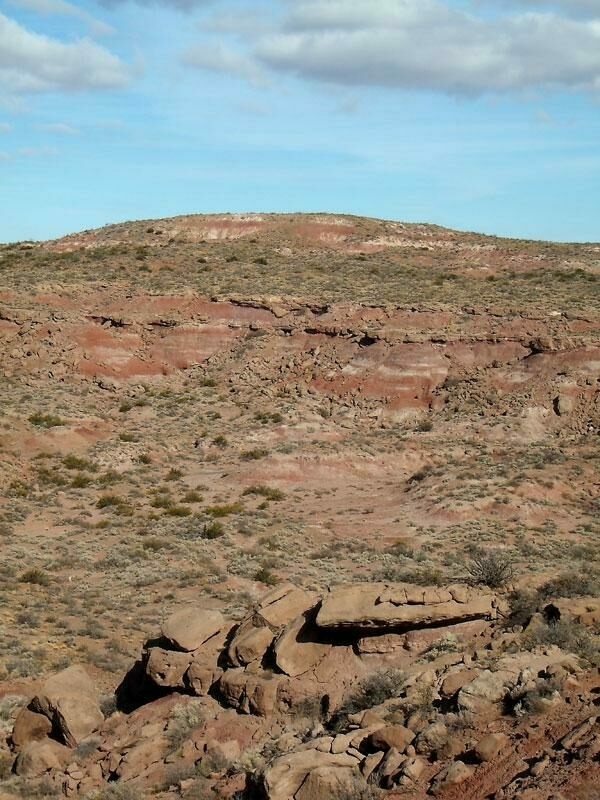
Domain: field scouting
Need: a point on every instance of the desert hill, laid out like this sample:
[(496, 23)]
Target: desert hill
[(204, 410)]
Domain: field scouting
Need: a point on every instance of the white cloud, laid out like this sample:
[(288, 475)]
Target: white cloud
[(181, 5), (5, 127), (66, 9), (429, 45), (589, 8), (60, 128), (221, 59), (31, 62)]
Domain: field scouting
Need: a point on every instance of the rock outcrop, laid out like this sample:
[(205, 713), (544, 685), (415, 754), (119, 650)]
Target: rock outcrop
[(327, 701), (401, 607)]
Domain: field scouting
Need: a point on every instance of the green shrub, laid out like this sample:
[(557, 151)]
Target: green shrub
[(376, 689), (254, 455), (571, 584), (224, 510), (34, 576), (491, 568), (74, 462), (265, 491), (212, 530), (264, 575), (46, 420), (178, 511)]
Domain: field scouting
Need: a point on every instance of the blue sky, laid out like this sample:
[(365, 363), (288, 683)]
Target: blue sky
[(479, 115)]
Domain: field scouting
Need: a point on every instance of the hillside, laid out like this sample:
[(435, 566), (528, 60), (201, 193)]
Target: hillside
[(203, 409)]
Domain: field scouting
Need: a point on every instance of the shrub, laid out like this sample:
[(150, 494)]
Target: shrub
[(178, 511), (173, 474), (74, 462), (35, 576), (213, 530), (424, 425), (264, 575), (192, 497), (265, 491), (570, 636), (254, 455), (184, 718), (46, 420), (120, 791), (225, 510), (493, 569), (376, 689), (522, 606), (571, 584), (80, 481)]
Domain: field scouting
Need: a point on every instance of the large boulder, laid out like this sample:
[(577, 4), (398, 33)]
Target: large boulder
[(380, 606), (291, 776), (167, 668), (296, 652), (250, 693), (71, 703), (275, 611), (40, 757), (29, 727), (189, 628)]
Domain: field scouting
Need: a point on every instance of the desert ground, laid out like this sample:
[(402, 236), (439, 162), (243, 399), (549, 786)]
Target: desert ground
[(331, 413)]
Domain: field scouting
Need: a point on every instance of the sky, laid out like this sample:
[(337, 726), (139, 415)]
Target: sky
[(480, 115)]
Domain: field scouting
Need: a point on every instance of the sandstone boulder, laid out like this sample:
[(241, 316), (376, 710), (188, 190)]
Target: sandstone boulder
[(458, 772), (287, 775), (283, 604), (277, 609), (296, 652), (71, 703), (29, 727), (189, 628), (488, 748), (167, 668), (200, 678), (40, 757), (250, 643), (250, 693), (485, 694), (391, 736), (398, 606)]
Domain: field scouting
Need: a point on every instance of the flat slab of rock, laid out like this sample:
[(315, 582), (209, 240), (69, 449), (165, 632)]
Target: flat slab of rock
[(190, 627), (398, 606), (283, 604)]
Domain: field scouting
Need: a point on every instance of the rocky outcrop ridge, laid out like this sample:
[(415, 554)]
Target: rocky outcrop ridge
[(353, 687)]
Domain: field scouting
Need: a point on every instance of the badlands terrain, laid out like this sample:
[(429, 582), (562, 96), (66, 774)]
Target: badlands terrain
[(299, 507)]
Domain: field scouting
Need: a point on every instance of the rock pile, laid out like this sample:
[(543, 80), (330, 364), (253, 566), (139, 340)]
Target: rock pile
[(399, 686)]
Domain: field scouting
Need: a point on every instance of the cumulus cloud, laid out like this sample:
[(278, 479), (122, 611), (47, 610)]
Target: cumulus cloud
[(428, 44), (181, 5), (221, 59), (61, 7), (31, 62), (589, 8)]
